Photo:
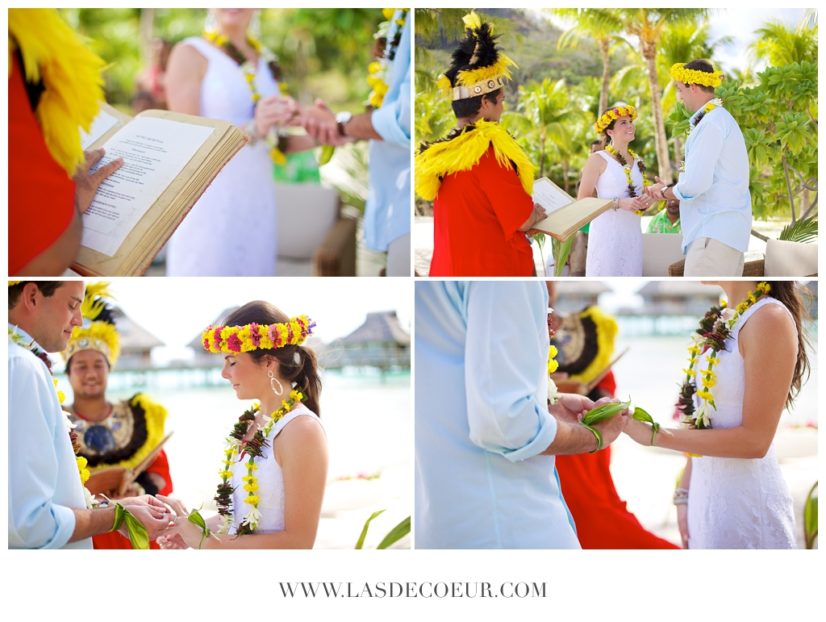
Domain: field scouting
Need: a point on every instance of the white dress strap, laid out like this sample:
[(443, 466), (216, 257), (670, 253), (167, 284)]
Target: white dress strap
[(766, 300), (299, 411)]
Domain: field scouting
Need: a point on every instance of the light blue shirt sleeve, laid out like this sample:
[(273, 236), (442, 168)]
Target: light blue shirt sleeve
[(506, 357), (701, 161), (35, 520)]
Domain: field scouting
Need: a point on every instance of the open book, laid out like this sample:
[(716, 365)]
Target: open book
[(565, 216), (169, 160), (113, 481)]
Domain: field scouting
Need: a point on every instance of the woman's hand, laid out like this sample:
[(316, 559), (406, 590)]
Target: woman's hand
[(172, 541), (86, 183), (682, 523), (274, 111), (634, 204), (639, 431)]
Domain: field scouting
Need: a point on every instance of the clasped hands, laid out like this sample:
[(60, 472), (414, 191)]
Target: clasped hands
[(656, 191), (282, 111), (571, 407)]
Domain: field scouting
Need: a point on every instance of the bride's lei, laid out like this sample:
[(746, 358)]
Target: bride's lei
[(626, 167), (249, 71), (253, 448), (712, 334)]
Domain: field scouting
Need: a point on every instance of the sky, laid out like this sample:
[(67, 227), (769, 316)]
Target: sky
[(740, 24), (176, 310)]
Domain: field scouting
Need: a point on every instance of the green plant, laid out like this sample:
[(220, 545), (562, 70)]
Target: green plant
[(810, 518), (394, 535)]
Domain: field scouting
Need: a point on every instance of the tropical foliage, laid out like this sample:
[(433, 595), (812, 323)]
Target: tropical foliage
[(573, 63)]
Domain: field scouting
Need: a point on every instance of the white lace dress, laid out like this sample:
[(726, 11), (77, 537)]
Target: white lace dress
[(736, 503), (615, 236), (231, 230), (270, 481)]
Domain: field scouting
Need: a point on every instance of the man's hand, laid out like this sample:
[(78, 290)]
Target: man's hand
[(613, 427), (86, 183), (570, 407), (320, 123)]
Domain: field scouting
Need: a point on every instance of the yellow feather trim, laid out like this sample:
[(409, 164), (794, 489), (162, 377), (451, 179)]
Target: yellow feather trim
[(606, 327), (155, 421), (483, 74), (93, 302), (102, 337), (54, 53), (443, 84), (463, 152), (472, 21)]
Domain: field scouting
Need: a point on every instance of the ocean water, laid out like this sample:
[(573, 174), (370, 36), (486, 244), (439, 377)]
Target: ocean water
[(369, 427)]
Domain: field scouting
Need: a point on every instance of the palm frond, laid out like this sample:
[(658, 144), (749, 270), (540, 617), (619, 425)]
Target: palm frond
[(804, 230)]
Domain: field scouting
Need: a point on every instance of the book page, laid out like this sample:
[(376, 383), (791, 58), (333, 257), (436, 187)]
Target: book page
[(154, 152), (550, 196), (102, 124)]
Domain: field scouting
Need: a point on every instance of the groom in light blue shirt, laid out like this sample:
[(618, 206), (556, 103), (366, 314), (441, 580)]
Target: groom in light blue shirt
[(713, 188), (387, 127), (485, 438)]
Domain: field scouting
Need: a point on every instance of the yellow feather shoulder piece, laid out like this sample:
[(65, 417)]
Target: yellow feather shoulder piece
[(463, 152), (606, 329), (54, 53)]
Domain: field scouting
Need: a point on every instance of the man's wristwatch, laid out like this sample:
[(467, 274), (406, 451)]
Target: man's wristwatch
[(342, 119)]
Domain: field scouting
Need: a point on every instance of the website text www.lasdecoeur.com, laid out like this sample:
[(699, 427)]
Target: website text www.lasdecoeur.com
[(412, 589)]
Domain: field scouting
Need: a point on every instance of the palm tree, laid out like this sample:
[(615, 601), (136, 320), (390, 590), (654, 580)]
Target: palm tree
[(779, 45), (647, 26), (601, 25), (683, 41)]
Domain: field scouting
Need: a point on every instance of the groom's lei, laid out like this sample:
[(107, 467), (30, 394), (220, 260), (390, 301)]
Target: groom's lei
[(714, 330), (710, 105), (31, 346)]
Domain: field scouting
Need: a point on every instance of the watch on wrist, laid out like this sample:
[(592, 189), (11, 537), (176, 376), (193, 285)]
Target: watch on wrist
[(342, 119)]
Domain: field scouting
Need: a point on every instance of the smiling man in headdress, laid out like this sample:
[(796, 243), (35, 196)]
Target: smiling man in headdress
[(479, 178)]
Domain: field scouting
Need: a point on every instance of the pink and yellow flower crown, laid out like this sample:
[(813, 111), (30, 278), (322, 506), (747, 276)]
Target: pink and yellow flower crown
[(238, 339), (694, 76), (612, 114)]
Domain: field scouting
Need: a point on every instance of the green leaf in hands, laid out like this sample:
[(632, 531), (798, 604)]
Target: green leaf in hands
[(138, 535), (360, 543), (604, 412), (196, 519), (394, 535)]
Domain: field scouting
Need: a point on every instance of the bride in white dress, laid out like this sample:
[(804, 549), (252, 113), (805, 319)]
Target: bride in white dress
[(231, 230), (732, 493), (272, 500), (615, 236)]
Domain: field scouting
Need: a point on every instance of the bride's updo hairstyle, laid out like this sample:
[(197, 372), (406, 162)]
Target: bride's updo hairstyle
[(297, 364), (789, 294)]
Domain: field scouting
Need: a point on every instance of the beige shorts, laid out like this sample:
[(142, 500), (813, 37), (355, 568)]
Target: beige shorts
[(708, 257)]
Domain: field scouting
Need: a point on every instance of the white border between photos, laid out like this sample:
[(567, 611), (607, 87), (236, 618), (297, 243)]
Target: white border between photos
[(648, 585)]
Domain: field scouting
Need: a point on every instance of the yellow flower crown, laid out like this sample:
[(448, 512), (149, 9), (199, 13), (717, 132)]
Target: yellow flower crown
[(101, 336), (694, 76), (612, 114), (13, 283), (237, 339)]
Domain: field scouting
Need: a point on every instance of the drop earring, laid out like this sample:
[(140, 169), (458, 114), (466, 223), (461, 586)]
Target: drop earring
[(275, 382)]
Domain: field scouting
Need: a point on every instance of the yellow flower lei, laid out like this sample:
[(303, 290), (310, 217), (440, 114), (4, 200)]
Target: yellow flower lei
[(713, 332), (249, 71), (32, 347), (553, 364), (693, 76), (237, 339), (378, 69), (612, 114), (626, 167), (236, 446)]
